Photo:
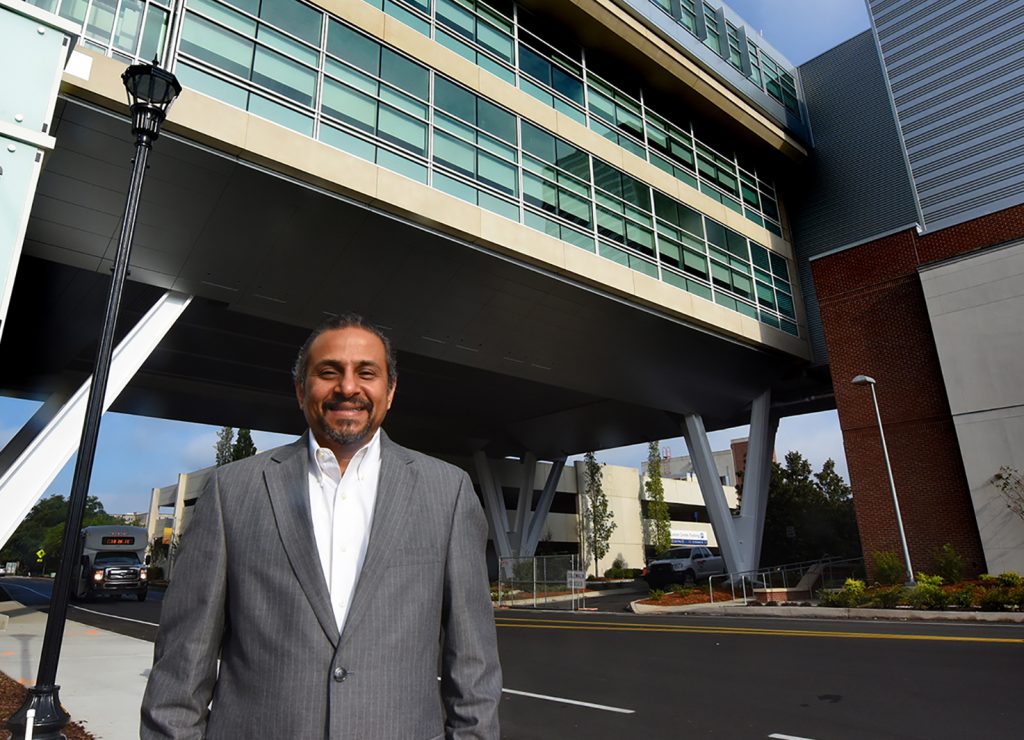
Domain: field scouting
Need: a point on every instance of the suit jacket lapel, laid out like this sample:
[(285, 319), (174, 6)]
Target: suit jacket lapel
[(287, 483), (395, 488)]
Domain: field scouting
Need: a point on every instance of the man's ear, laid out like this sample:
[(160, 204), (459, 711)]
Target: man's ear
[(391, 393), (299, 393)]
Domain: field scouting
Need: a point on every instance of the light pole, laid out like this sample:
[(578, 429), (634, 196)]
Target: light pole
[(151, 90), (870, 382)]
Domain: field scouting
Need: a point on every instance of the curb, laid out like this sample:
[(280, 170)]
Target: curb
[(738, 608)]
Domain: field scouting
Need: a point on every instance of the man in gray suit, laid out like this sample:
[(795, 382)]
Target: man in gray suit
[(331, 577)]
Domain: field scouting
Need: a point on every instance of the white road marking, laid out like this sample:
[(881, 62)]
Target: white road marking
[(780, 736), (562, 700), (82, 608)]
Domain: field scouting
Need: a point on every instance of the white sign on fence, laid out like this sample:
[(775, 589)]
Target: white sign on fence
[(576, 580)]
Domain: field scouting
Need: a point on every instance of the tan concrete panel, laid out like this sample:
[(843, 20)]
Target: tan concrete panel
[(358, 13), (522, 240), (430, 53), (426, 205), (599, 270), (654, 291)]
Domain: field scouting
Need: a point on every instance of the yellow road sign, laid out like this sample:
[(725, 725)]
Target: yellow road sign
[(40, 553)]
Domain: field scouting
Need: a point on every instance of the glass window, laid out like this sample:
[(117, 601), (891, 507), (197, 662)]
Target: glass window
[(402, 129), (349, 105), (217, 46), (352, 46), (404, 73), (280, 74), (294, 18), (153, 33)]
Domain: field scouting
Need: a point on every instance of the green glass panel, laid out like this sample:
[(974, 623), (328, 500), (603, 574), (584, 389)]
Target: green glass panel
[(455, 100), (222, 14), (779, 268), (698, 289), (496, 68), (785, 303), (347, 142), (742, 285), (288, 46), (536, 91), (408, 18), (537, 142), (349, 105), (274, 111), (74, 10), (753, 217), (294, 17), (540, 223), (402, 165), (715, 233), (746, 309), (405, 74), (578, 239), (454, 153), (696, 263), (499, 205), (790, 328), (642, 265), (673, 279), (455, 187), (723, 300), (614, 254), (496, 121), (153, 33), (403, 102), (352, 77), (219, 47), (497, 173), (767, 318), (759, 256), (574, 208), (495, 41), (284, 76), (207, 84), (129, 25), (402, 129), (101, 20), (353, 47), (736, 244)]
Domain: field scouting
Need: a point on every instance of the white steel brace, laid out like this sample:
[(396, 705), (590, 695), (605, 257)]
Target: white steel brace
[(26, 479), (738, 537)]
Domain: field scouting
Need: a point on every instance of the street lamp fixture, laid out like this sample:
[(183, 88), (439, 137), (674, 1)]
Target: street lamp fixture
[(870, 382), (151, 90)]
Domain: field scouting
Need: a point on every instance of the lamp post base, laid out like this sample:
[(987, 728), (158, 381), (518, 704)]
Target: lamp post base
[(50, 715)]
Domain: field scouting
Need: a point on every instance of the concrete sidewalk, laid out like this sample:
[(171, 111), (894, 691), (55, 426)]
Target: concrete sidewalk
[(101, 675)]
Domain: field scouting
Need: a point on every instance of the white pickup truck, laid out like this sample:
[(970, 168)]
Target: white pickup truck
[(686, 565)]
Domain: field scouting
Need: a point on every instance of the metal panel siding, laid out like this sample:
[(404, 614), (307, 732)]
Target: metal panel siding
[(956, 71), (858, 186)]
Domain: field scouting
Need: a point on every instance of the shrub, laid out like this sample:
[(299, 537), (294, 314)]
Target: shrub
[(657, 594), (889, 568), (928, 593), (680, 590), (964, 597), (1010, 579), (830, 598), (994, 599), (854, 592), (949, 564), (1016, 597), (988, 580), (887, 597)]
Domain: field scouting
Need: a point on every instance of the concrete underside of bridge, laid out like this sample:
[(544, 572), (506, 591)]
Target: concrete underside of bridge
[(494, 354)]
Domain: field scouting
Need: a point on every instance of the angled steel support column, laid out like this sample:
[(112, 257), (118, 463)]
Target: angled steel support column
[(711, 489), (540, 514), (528, 463), (756, 475), (25, 480), (180, 492), (154, 516), (494, 505), (31, 429)]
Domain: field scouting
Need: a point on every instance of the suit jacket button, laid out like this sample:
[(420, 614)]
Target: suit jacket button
[(340, 674)]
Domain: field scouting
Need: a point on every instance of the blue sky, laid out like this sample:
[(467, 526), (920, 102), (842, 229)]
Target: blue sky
[(135, 454)]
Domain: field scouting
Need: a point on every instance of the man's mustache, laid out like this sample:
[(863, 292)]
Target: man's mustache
[(335, 404)]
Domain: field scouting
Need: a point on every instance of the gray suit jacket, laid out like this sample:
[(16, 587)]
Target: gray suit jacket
[(248, 589)]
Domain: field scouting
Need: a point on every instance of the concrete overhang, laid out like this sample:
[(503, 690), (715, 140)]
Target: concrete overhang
[(608, 26), (501, 346)]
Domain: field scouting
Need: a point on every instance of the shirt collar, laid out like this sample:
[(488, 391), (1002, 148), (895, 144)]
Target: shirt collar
[(323, 462)]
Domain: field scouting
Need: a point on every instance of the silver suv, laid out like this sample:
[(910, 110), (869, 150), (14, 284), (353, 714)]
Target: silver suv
[(686, 565)]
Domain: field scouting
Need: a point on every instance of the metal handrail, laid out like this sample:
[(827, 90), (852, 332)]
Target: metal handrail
[(765, 574)]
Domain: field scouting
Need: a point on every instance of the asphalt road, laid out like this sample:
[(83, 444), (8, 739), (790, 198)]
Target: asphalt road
[(611, 675)]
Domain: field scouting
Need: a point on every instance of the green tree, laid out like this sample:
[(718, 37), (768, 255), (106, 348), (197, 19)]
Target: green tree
[(223, 447), (243, 446), (599, 517), (43, 527), (809, 514), (657, 509)]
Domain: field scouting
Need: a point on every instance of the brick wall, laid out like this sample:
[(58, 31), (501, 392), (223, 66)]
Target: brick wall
[(876, 323)]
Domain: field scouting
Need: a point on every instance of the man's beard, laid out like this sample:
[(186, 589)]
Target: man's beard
[(353, 435)]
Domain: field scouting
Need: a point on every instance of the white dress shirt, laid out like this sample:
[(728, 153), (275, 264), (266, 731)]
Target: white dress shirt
[(342, 511)]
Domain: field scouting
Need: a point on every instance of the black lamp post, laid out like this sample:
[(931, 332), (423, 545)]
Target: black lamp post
[(151, 90)]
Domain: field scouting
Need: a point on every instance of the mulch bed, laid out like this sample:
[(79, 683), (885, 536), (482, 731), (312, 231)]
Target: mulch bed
[(696, 596), (12, 696)]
